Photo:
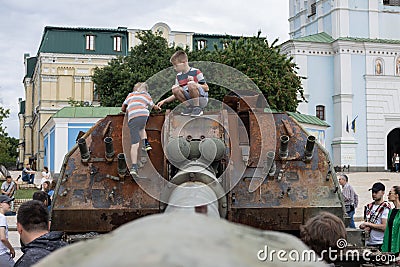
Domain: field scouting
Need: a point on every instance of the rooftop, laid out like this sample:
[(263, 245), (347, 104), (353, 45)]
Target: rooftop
[(316, 38), (86, 112), (326, 38), (309, 119)]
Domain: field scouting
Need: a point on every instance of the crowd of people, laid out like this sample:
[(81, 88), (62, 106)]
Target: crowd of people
[(381, 221), (33, 224)]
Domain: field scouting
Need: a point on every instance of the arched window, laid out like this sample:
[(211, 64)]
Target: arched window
[(378, 66), (320, 112), (397, 64)]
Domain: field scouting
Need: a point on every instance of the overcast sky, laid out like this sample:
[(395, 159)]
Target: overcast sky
[(23, 21)]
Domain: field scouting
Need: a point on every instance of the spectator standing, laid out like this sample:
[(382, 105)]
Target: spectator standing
[(393, 162), (51, 190), (43, 197), (8, 188), (7, 252), (350, 198), (391, 241), (375, 216), (45, 176), (33, 228)]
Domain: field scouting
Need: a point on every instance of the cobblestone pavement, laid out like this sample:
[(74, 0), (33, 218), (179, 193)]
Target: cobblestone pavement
[(361, 182)]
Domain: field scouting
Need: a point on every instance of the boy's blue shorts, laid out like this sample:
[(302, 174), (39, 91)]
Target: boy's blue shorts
[(203, 99), (135, 125)]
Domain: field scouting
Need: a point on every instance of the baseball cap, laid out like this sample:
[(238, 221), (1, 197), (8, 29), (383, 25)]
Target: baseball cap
[(377, 187), (4, 198)]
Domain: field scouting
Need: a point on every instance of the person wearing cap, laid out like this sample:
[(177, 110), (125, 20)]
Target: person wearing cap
[(375, 216), (33, 228), (350, 198), (8, 188), (7, 252)]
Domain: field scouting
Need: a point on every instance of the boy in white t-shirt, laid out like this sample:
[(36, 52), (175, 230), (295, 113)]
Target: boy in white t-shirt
[(7, 252), (375, 216)]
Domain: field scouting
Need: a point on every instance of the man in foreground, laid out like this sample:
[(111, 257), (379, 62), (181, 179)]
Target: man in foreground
[(33, 228)]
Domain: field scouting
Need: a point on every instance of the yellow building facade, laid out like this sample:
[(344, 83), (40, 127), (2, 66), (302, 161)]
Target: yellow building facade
[(57, 76)]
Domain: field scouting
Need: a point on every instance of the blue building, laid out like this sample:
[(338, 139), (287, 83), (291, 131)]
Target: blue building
[(63, 128), (349, 53)]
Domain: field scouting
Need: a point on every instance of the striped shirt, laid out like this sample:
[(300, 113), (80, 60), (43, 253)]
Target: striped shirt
[(182, 79), (138, 103), (350, 196)]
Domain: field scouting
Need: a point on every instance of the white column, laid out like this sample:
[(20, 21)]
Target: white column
[(340, 19), (343, 143), (373, 19), (61, 145), (292, 10), (301, 60), (320, 12)]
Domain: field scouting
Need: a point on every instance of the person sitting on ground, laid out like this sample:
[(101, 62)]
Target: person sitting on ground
[(28, 175), (190, 86), (7, 252), (322, 233), (8, 187), (33, 228), (137, 104), (375, 216)]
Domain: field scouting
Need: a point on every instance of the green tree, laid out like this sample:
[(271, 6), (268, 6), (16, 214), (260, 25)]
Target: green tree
[(8, 145), (116, 80), (273, 73)]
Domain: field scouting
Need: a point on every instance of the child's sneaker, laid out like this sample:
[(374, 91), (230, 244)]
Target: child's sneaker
[(187, 111), (147, 147), (133, 173), (197, 112)]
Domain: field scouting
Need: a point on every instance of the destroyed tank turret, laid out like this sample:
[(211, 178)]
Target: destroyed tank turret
[(240, 161)]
